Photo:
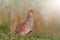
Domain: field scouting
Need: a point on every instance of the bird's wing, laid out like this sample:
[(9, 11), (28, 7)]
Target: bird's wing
[(19, 28)]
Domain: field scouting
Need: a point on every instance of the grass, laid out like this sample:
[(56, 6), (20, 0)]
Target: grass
[(25, 37), (4, 29), (28, 37)]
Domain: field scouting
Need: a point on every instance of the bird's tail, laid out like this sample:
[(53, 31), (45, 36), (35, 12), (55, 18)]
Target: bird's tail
[(13, 32)]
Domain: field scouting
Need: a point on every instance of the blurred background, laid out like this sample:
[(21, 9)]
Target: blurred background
[(46, 15)]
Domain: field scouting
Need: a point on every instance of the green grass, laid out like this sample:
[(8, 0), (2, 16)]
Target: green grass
[(25, 37), (4, 29), (29, 37)]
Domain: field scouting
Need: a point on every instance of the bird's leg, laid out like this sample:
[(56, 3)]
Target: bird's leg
[(29, 32)]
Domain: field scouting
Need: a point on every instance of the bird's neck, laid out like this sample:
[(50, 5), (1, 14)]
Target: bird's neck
[(29, 18)]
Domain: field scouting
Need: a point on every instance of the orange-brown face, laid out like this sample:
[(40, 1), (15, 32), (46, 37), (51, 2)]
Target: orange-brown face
[(31, 12)]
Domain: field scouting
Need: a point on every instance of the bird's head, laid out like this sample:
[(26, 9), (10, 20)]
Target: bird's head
[(30, 12)]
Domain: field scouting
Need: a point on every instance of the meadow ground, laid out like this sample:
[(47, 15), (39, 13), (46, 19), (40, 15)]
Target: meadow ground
[(33, 36)]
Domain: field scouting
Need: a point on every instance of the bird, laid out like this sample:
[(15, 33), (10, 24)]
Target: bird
[(26, 26)]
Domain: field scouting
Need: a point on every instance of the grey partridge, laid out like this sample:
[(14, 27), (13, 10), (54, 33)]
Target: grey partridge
[(26, 26)]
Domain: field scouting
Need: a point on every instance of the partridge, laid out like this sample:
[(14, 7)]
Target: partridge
[(26, 26)]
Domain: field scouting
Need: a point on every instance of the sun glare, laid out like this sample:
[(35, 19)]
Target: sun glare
[(56, 3)]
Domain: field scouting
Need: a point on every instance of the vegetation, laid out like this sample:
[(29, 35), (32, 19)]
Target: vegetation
[(33, 36)]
